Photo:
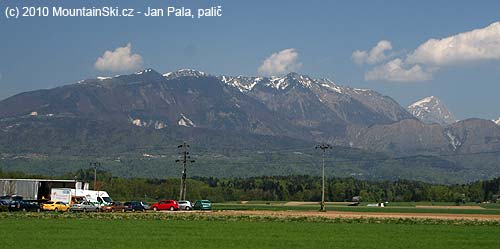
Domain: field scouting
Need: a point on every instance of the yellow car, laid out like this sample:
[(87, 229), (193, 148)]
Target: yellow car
[(55, 206)]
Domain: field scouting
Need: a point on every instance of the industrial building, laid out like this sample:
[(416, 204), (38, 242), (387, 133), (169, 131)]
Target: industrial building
[(36, 189)]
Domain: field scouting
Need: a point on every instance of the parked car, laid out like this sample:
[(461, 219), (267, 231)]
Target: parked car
[(202, 205), (3, 208), (4, 203), (185, 205), (7, 199), (146, 206), (165, 205), (133, 206), (22, 205), (114, 207), (83, 207), (55, 206)]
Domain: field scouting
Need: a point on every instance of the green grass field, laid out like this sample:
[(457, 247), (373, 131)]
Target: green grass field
[(389, 209), (147, 231)]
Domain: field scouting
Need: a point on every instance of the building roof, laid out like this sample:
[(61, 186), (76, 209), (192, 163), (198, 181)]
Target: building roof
[(38, 180)]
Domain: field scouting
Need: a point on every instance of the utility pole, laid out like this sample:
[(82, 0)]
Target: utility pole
[(95, 165), (185, 158), (323, 147)]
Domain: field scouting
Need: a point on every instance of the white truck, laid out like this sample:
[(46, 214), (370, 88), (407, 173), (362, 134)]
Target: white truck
[(61, 194), (71, 196)]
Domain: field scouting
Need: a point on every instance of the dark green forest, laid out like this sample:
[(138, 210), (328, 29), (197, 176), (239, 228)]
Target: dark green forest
[(281, 188), (43, 147)]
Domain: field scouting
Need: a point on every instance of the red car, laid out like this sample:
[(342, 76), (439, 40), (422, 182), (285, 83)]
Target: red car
[(165, 205)]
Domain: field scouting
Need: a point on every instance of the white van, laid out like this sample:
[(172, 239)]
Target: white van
[(69, 196), (98, 198)]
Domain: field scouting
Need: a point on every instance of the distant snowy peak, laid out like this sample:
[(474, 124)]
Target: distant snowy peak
[(185, 73), (425, 102), (432, 110)]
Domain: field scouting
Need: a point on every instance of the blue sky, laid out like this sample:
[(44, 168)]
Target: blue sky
[(45, 52)]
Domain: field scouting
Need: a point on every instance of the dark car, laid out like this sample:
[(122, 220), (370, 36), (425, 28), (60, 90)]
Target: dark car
[(21, 205), (4, 203), (7, 199), (202, 205), (133, 206)]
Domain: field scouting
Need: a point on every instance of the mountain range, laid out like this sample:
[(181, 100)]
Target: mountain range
[(115, 116)]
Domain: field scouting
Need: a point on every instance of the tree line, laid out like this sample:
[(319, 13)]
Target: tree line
[(282, 188)]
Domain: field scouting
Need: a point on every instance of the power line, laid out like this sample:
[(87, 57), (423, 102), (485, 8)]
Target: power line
[(95, 165), (185, 159), (309, 153), (323, 147), (307, 149)]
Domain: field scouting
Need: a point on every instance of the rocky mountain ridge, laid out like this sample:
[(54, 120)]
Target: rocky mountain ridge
[(293, 105)]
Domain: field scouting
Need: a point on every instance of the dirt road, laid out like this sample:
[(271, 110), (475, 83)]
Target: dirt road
[(338, 214)]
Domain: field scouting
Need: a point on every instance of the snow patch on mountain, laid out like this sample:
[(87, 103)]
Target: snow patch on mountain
[(497, 121), (333, 87), (277, 83), (423, 102), (144, 71), (185, 121), (454, 141), (185, 73), (138, 122), (291, 79), (247, 84), (243, 84), (158, 125), (364, 92)]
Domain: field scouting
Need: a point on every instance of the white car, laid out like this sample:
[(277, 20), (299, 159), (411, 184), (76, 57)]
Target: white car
[(185, 205), (84, 207)]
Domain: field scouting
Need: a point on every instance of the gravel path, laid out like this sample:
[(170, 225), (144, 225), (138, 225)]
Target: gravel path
[(338, 214)]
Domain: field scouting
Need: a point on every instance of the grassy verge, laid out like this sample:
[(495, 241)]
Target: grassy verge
[(206, 231), (221, 216), (491, 206)]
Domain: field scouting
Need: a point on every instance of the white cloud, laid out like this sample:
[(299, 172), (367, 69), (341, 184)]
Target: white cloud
[(478, 44), (396, 70), (421, 63), (375, 55), (281, 62), (119, 60)]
